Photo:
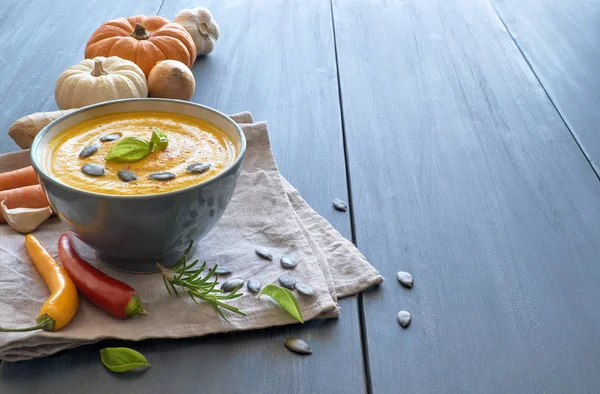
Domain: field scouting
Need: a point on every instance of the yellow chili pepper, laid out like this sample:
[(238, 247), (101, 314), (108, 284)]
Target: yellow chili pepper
[(60, 307)]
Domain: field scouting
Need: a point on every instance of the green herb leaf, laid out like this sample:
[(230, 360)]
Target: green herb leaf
[(128, 150), (159, 140), (286, 299), (122, 359)]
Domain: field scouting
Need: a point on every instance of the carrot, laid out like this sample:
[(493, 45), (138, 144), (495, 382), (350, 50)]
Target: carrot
[(24, 197), (18, 178)]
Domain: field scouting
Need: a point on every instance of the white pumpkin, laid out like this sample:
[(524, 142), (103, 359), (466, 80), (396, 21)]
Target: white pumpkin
[(201, 26), (99, 79)]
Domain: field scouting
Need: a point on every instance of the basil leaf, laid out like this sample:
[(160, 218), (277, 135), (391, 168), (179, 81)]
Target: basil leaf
[(128, 150), (286, 299), (122, 359), (159, 140)]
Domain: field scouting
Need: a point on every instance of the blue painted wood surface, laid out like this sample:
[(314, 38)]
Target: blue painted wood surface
[(456, 137)]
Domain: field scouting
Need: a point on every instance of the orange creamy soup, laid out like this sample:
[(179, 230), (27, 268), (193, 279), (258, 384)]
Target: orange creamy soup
[(191, 141)]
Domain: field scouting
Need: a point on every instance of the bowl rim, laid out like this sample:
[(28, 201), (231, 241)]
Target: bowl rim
[(47, 177)]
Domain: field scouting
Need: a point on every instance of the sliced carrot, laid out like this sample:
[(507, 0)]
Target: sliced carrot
[(24, 197), (18, 178)]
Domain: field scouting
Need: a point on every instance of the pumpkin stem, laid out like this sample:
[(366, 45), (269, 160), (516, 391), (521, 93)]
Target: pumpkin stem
[(140, 32), (98, 70)]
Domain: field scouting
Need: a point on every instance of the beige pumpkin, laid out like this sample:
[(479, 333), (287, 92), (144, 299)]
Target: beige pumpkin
[(200, 24), (99, 79), (171, 79)]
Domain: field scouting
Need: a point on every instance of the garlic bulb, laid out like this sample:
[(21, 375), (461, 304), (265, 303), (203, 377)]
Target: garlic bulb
[(25, 220), (201, 26)]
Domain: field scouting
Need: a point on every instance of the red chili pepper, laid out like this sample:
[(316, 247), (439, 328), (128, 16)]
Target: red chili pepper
[(115, 297)]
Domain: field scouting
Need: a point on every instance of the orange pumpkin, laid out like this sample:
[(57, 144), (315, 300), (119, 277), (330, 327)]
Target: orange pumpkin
[(145, 40)]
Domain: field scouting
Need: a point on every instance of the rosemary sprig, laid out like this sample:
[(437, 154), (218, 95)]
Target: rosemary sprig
[(190, 280)]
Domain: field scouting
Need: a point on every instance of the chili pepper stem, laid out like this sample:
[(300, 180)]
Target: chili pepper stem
[(135, 307), (45, 323)]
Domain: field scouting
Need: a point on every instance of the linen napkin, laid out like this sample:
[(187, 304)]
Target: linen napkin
[(265, 211)]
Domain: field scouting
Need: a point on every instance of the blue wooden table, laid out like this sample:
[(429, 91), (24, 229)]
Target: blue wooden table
[(465, 135)]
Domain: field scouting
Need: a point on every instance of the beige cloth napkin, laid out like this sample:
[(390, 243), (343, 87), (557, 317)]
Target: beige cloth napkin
[(264, 211)]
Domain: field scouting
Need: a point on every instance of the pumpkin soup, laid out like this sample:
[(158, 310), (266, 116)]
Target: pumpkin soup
[(139, 153)]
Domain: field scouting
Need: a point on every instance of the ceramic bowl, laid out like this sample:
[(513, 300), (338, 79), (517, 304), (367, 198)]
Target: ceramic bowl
[(133, 233)]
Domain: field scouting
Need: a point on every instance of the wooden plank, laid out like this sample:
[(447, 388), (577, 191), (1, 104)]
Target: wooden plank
[(277, 60), (560, 41), (463, 174)]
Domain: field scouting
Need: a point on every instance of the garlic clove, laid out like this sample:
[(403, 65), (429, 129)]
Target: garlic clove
[(25, 220)]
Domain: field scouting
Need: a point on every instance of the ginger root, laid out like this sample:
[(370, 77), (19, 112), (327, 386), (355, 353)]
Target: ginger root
[(24, 130)]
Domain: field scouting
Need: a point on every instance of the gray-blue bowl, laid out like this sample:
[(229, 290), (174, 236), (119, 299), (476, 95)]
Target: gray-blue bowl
[(133, 233)]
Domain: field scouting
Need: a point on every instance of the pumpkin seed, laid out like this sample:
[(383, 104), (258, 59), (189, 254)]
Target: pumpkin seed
[(92, 170), (287, 281), (404, 318), (340, 205), (304, 289), (198, 168), (287, 261), (264, 253), (231, 284), (88, 151), (110, 137), (126, 176), (405, 279), (297, 345), (254, 285), (222, 270), (162, 176)]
